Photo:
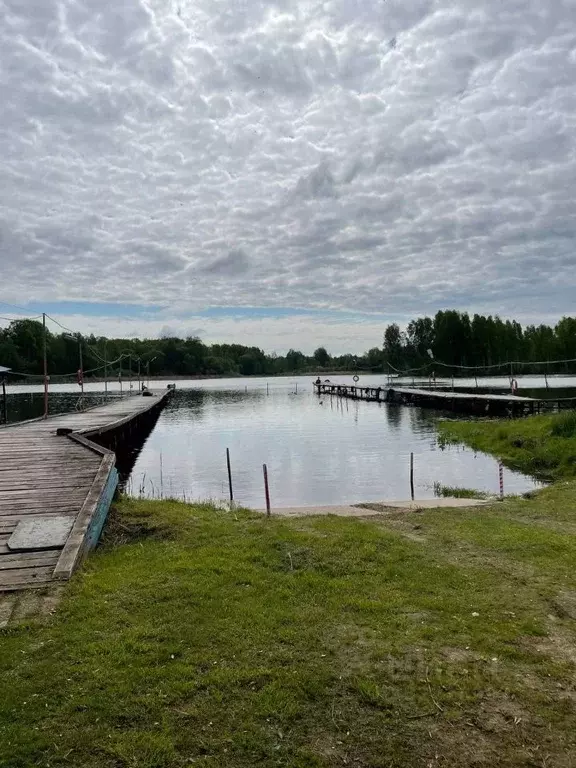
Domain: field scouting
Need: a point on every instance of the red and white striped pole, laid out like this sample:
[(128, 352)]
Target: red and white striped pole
[(501, 474)]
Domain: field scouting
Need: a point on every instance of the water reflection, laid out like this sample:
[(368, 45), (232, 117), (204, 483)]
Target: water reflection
[(30, 405), (318, 450)]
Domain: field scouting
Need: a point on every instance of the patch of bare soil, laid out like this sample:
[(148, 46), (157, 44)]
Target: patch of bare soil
[(34, 605), (119, 530), (559, 644), (406, 528)]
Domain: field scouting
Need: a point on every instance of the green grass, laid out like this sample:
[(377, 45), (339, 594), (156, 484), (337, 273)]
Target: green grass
[(543, 446), (457, 492), (200, 637)]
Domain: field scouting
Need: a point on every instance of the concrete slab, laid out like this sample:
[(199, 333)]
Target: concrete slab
[(40, 533), (381, 507), (341, 511), (449, 501)]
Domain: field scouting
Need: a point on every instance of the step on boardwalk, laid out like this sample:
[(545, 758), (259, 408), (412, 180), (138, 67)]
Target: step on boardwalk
[(56, 485)]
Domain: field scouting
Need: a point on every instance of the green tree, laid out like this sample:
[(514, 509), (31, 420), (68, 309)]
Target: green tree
[(393, 345)]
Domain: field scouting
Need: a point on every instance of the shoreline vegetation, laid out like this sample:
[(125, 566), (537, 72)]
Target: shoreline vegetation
[(196, 636), (449, 343), (543, 446)]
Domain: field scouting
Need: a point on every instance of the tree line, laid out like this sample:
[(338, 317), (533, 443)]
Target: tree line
[(451, 338), (489, 344)]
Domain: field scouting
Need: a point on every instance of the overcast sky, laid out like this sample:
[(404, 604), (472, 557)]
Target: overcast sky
[(286, 172)]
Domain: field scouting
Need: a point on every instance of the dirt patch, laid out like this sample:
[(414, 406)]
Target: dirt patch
[(461, 655), (406, 529), (121, 530), (29, 606), (383, 508), (560, 644), (564, 604)]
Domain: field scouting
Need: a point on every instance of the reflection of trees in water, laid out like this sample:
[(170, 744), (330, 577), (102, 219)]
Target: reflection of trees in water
[(393, 416), (197, 401), (30, 405)]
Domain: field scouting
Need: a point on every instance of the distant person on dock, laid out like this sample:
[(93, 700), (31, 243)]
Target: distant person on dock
[(514, 387), (318, 381)]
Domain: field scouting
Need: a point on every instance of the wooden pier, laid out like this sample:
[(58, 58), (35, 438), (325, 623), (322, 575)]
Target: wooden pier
[(57, 480), (462, 402)]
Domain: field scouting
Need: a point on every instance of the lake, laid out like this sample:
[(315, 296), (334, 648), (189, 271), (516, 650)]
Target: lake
[(318, 450)]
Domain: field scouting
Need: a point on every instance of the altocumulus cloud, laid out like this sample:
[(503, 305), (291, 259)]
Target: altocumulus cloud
[(396, 156)]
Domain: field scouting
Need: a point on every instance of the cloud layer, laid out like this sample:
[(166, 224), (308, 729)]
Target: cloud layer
[(391, 156)]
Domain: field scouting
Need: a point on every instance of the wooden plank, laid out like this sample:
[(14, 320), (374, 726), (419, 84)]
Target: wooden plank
[(72, 549), (30, 460), (17, 557), (40, 493), (38, 561), (61, 483), (25, 576), (39, 509), (44, 474)]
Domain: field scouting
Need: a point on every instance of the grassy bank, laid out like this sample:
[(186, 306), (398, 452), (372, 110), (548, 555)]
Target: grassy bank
[(544, 446), (198, 637)]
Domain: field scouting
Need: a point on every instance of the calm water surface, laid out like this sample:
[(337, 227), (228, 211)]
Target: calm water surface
[(318, 450)]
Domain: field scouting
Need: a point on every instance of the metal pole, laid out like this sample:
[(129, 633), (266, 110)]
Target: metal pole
[(120, 375), (130, 372), (266, 489), (501, 478), (105, 368), (4, 403), (81, 365), (412, 475), (139, 385), (45, 365), (229, 476)]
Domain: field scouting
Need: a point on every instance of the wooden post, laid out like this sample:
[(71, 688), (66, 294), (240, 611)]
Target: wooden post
[(267, 390), (229, 476), (45, 356), (266, 489), (546, 379), (296, 389), (412, 476)]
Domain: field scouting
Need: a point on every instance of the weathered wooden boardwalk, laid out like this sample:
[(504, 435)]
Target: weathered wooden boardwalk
[(464, 402), (56, 485)]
